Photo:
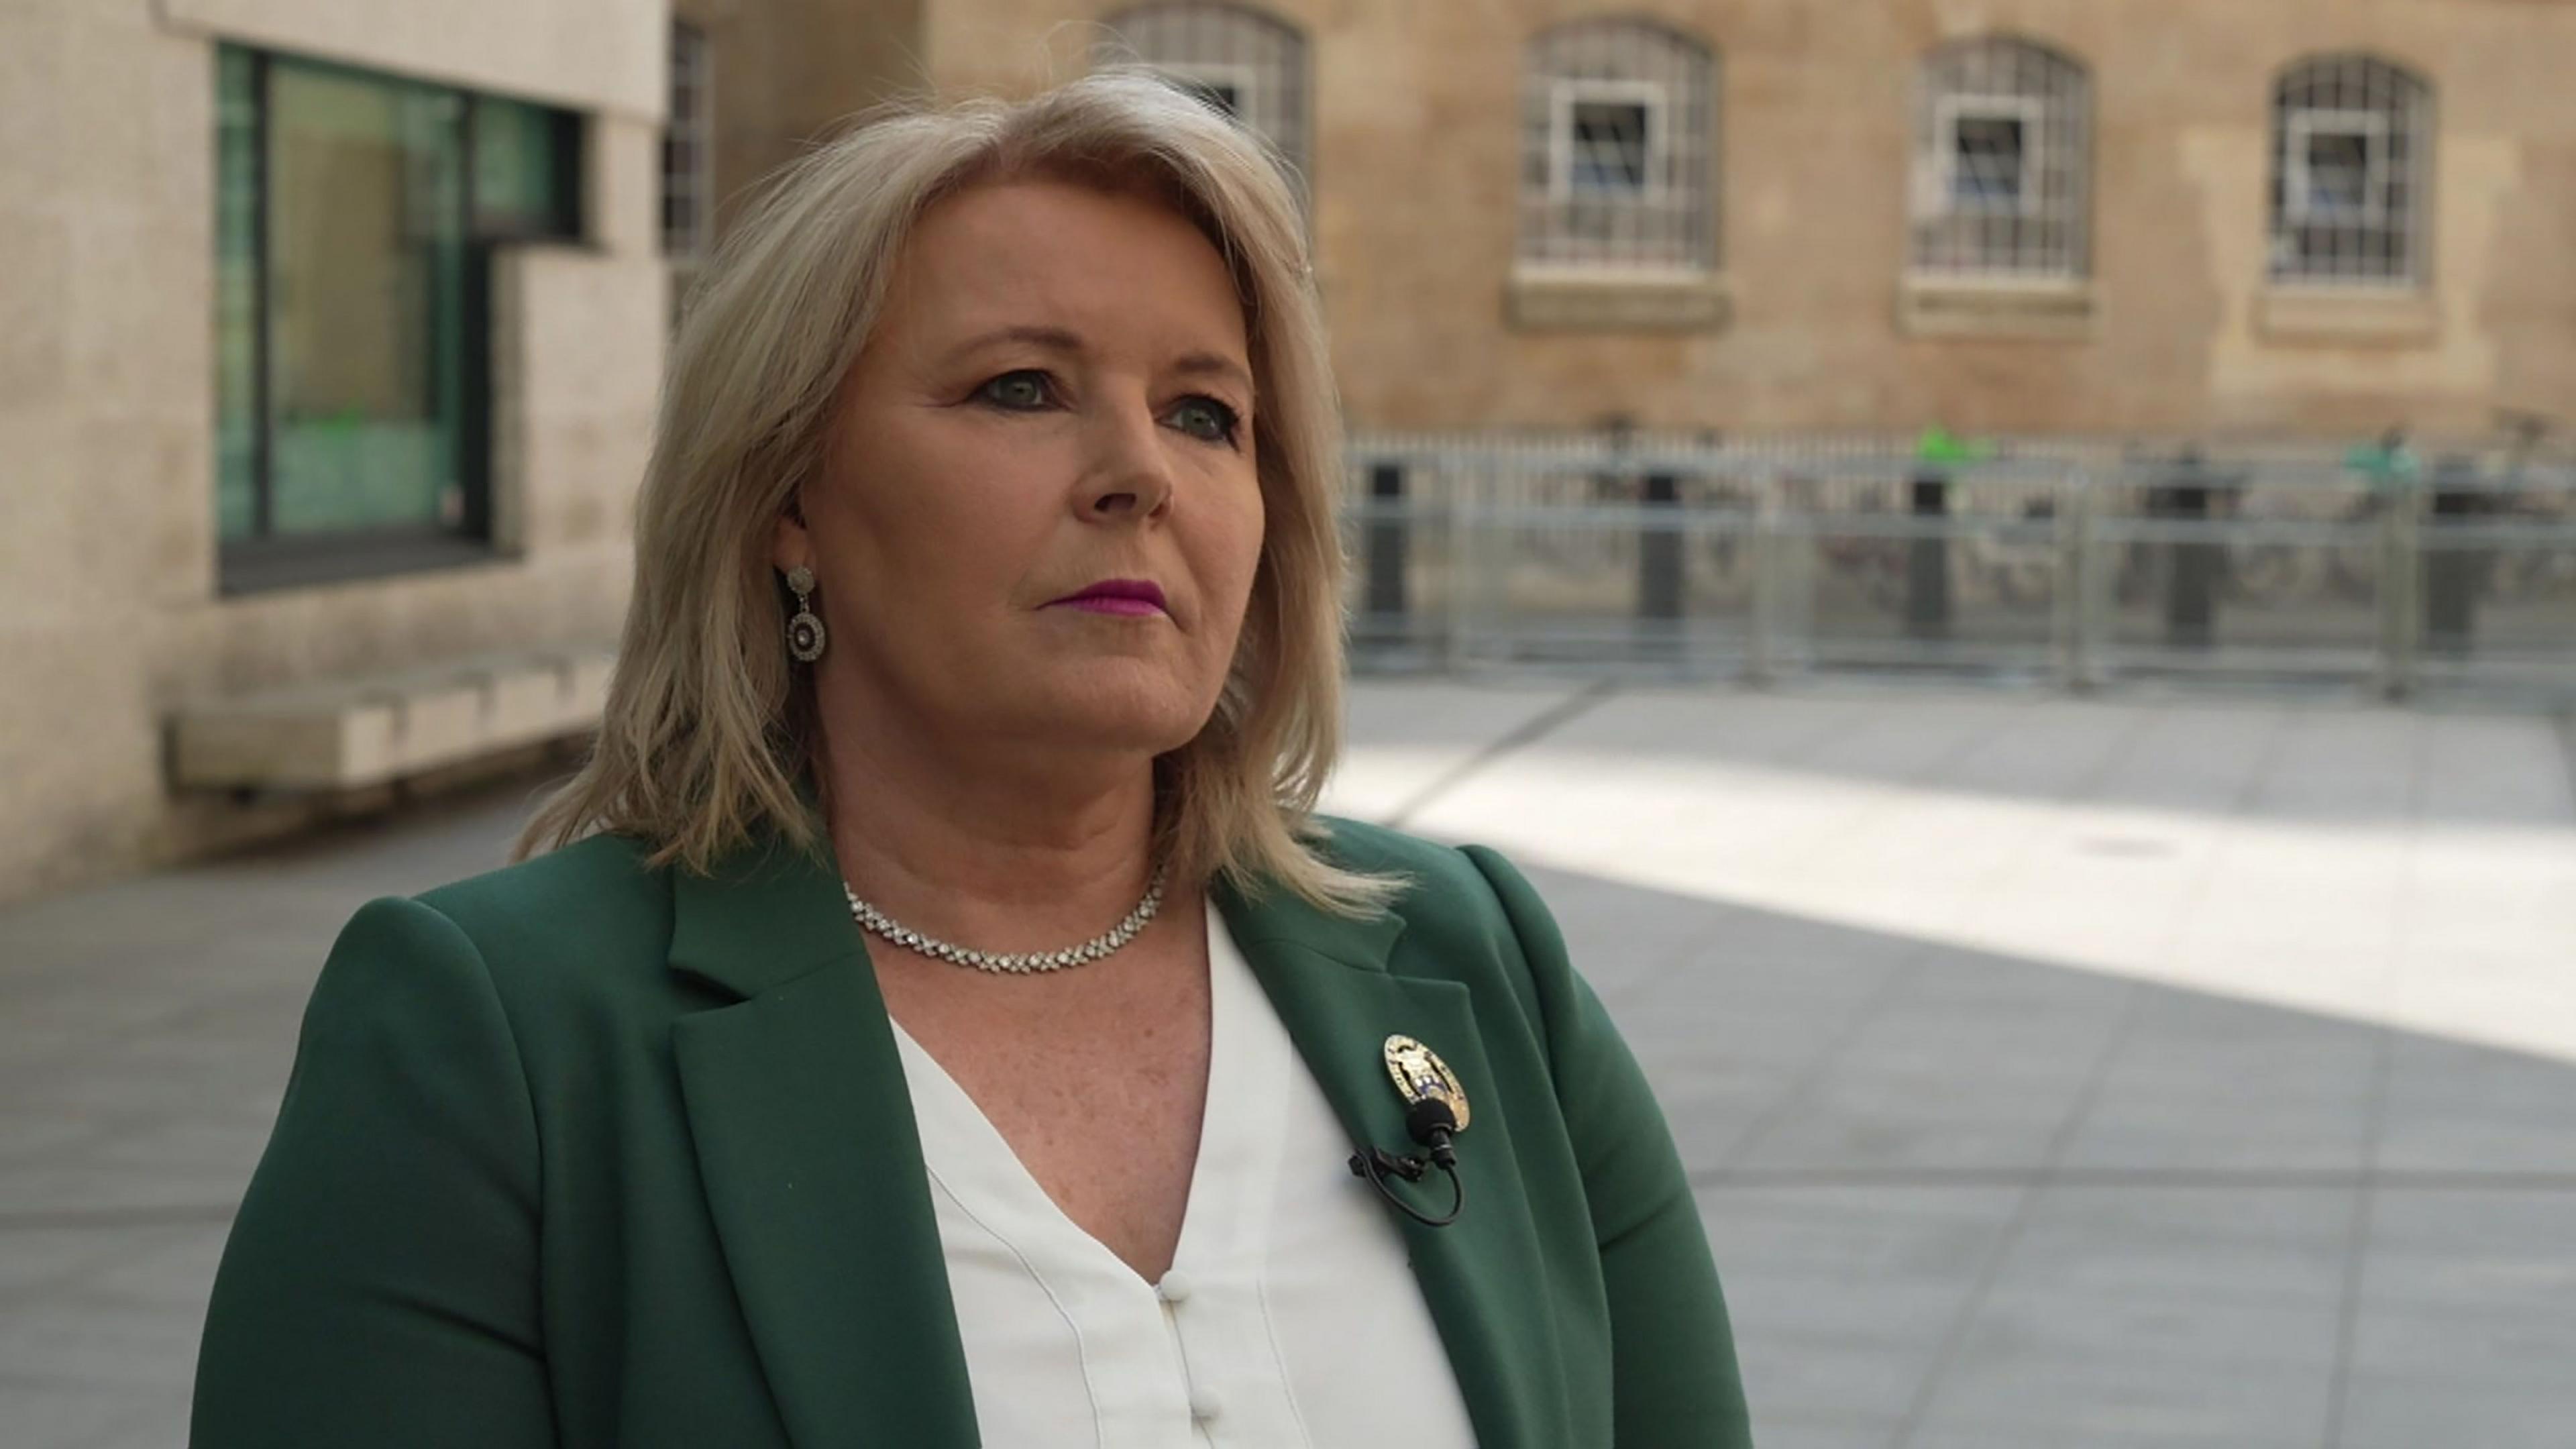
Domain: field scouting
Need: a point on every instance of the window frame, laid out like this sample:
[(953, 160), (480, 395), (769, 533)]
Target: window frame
[(1241, 78), (266, 559), (688, 244), (263, 441), (1567, 92), (2028, 112), (1268, 59), (2045, 237), (2379, 248), (1669, 231), (2300, 128)]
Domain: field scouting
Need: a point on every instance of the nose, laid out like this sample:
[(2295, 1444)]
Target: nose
[(1130, 477)]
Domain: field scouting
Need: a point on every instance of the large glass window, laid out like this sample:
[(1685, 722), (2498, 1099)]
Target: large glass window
[(2002, 155), (355, 215), (366, 261), (1618, 127), (2351, 162)]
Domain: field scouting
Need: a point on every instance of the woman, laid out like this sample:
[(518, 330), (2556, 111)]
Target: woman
[(804, 1092)]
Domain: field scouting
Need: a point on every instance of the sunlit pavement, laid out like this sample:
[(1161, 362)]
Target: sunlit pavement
[(2052, 1073)]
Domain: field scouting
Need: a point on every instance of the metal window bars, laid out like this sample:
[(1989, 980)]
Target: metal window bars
[(1618, 123), (2351, 168), (2002, 162), (1241, 62), (687, 146), (1609, 136)]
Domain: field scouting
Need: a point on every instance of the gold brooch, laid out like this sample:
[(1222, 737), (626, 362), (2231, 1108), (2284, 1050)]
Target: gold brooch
[(1420, 1075)]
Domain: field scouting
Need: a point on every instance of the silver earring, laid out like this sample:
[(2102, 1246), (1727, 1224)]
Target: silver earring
[(805, 636)]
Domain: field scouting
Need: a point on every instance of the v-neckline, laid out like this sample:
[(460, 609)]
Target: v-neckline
[(980, 1153)]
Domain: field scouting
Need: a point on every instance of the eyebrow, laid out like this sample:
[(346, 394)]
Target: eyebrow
[(1057, 339)]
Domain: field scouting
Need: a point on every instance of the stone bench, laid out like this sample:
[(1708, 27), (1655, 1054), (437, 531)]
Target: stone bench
[(358, 731)]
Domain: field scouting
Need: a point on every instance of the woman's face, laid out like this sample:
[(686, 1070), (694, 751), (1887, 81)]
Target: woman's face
[(1038, 520)]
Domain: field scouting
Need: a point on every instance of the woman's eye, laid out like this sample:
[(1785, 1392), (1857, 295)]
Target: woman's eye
[(1206, 418), (1023, 391)]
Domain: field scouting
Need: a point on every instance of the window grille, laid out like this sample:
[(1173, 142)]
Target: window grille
[(2351, 160), (2002, 155), (1244, 63), (1618, 124), (686, 150)]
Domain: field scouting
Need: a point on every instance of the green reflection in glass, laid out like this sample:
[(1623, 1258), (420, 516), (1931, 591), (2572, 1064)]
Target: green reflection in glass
[(366, 297), (522, 169)]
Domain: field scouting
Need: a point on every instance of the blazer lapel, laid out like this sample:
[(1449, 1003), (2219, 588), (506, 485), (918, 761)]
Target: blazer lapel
[(811, 1163), (813, 1169), (1482, 1276)]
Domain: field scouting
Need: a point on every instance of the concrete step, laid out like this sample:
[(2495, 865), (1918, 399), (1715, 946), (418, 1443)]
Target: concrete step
[(369, 729)]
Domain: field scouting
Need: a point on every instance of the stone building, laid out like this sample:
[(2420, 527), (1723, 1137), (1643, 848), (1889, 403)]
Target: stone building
[(329, 335), (2212, 218), (330, 329)]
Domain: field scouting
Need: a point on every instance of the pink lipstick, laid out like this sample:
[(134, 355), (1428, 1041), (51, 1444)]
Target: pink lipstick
[(1133, 598)]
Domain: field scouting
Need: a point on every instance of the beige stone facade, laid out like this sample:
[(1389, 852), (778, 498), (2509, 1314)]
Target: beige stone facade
[(789, 71), (113, 609), (1810, 320), (1801, 312)]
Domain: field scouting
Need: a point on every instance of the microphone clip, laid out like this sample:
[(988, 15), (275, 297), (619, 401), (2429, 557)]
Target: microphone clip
[(1377, 1162), (1430, 1123)]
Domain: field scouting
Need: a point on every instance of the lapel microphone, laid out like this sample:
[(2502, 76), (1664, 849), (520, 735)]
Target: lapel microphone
[(1429, 1121)]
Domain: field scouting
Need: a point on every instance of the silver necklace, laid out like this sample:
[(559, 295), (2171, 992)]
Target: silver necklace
[(1017, 963)]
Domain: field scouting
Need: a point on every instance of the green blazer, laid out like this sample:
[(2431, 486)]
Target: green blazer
[(584, 1154)]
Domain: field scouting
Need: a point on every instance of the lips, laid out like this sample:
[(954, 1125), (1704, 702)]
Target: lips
[(1131, 597)]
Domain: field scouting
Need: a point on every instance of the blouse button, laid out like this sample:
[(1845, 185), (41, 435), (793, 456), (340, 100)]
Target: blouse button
[(1174, 1288), (1205, 1403)]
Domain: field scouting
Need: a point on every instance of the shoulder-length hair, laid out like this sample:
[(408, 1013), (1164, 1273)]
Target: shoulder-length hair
[(708, 737)]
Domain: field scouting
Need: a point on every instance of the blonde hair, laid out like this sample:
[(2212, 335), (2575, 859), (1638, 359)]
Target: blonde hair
[(708, 734)]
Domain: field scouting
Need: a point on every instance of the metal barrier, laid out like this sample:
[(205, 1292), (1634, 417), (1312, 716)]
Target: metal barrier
[(2074, 564)]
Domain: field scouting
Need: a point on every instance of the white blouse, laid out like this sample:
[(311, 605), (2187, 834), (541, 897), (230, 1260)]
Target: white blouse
[(1290, 1318)]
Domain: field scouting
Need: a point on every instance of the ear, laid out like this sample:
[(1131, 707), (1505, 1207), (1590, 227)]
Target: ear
[(790, 545)]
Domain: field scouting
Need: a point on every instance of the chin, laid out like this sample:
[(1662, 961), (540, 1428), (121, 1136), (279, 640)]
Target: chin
[(1141, 720)]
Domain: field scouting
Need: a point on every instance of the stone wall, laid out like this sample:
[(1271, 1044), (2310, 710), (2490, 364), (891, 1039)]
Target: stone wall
[(1417, 158), (110, 613)]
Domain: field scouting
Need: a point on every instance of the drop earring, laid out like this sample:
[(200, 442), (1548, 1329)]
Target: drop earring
[(805, 637)]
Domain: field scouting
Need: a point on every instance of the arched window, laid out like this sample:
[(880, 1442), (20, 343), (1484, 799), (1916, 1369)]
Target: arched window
[(2351, 169), (2002, 155), (1238, 60), (1618, 126)]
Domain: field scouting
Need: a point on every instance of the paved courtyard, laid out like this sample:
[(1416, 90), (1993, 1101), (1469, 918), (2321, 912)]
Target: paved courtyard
[(2054, 1073)]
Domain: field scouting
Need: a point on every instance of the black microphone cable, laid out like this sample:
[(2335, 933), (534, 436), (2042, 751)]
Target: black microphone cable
[(1429, 1122)]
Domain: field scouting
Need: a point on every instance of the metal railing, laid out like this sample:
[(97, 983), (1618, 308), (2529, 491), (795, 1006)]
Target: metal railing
[(2078, 564)]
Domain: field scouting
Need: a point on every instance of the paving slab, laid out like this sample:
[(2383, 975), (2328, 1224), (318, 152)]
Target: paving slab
[(2127, 1073)]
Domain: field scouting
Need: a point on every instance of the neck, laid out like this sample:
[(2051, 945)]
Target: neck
[(993, 847)]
